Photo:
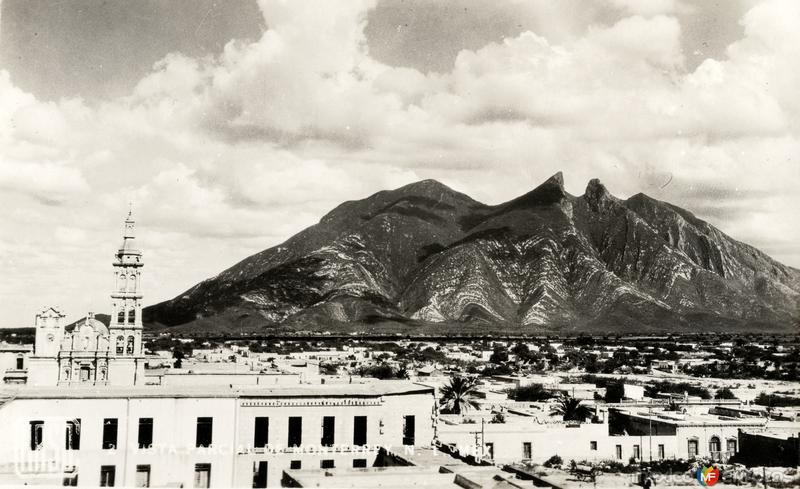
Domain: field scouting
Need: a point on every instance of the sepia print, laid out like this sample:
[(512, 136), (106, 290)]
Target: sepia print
[(400, 243)]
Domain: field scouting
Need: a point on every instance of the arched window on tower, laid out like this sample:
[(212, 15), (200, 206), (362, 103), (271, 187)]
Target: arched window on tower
[(120, 345), (132, 315), (129, 348), (122, 282), (132, 283), (121, 315)]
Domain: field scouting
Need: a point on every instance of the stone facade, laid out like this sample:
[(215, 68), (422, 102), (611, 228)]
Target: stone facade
[(92, 353)]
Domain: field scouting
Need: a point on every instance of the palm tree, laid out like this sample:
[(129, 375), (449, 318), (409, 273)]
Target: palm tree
[(571, 409), (458, 396)]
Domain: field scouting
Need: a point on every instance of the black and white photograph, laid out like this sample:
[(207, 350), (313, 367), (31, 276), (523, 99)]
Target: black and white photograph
[(390, 244)]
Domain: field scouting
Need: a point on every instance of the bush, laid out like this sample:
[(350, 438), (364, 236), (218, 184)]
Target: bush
[(554, 461), (725, 393), (529, 393)]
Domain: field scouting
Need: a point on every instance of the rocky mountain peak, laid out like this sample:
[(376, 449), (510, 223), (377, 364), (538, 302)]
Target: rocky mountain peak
[(427, 256), (597, 195)]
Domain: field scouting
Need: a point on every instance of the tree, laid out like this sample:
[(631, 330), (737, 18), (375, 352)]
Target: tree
[(529, 393), (499, 355), (571, 409), (459, 395), (725, 393)]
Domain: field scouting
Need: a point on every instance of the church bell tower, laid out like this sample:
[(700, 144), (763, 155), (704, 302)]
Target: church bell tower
[(125, 328)]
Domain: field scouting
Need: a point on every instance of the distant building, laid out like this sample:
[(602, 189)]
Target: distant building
[(91, 353)]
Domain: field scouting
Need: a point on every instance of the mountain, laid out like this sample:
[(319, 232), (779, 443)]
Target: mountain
[(425, 256)]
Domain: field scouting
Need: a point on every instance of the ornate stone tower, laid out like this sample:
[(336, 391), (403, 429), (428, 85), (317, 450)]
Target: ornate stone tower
[(125, 328)]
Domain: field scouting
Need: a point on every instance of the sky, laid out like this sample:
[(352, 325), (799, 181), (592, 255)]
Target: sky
[(230, 126)]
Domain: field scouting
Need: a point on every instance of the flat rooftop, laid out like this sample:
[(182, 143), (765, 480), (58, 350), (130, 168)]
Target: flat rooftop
[(677, 419), (373, 389)]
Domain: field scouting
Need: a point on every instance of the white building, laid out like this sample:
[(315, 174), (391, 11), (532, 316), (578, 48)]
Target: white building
[(204, 436), (92, 353)]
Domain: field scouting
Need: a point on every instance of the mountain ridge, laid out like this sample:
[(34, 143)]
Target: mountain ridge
[(546, 261)]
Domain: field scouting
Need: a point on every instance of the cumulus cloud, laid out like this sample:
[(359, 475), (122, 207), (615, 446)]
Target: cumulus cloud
[(228, 154)]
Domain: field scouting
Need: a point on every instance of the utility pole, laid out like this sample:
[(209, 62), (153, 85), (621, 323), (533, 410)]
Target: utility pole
[(650, 421)]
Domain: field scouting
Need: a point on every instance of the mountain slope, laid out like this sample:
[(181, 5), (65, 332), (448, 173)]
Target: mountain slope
[(545, 261)]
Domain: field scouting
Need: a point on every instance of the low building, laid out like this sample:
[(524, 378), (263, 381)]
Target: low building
[(205, 436)]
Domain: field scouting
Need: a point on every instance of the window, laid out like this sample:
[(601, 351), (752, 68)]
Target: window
[(202, 475), (142, 476), (86, 373), (295, 431), (121, 317), (260, 474), (637, 452), (490, 451), (359, 430), (295, 465), (359, 463), (326, 464), (132, 316), (37, 434), (731, 446), (129, 348), (661, 451), (73, 435), (714, 445), (593, 445), (20, 363), (107, 473), (120, 345), (327, 431), (145, 438), (619, 452), (409, 430), (692, 448), (203, 436), (70, 481), (526, 450), (261, 432), (109, 434)]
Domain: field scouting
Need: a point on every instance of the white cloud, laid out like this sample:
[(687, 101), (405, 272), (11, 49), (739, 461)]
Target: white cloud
[(224, 156)]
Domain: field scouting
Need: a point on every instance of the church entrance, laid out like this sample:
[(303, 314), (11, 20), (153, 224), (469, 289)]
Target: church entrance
[(86, 372)]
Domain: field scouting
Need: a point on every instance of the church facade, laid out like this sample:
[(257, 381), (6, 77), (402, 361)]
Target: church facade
[(92, 353)]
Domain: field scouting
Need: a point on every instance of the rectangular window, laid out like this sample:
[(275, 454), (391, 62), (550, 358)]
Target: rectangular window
[(692, 448), (205, 427), (490, 451), (145, 437), (142, 476), (295, 465), (261, 432), (637, 453), (619, 452), (73, 438), (260, 475), (37, 435), (661, 451), (526, 450), (295, 431), (731, 447), (70, 481), (107, 473), (109, 434), (202, 475), (409, 430), (359, 463), (327, 431), (593, 445), (359, 431), (326, 464)]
